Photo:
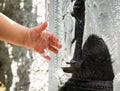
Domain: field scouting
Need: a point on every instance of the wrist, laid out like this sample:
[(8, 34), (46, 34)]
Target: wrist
[(27, 42), (25, 39)]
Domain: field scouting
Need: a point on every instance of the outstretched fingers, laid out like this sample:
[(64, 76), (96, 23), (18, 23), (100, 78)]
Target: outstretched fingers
[(44, 54), (42, 27), (53, 49), (53, 41), (46, 57)]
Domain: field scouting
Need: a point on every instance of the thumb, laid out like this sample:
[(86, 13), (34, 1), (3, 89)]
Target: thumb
[(42, 27)]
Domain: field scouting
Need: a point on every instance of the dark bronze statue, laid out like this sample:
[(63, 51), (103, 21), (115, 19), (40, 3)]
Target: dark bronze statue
[(91, 66)]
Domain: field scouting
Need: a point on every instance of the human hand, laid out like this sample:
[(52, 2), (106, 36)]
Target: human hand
[(39, 40)]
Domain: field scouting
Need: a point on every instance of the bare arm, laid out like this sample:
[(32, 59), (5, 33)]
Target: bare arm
[(11, 31), (33, 38)]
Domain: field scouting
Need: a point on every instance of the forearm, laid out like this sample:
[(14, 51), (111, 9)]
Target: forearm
[(11, 31)]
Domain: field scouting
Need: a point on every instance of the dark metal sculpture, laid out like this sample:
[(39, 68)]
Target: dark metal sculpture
[(91, 65), (79, 15)]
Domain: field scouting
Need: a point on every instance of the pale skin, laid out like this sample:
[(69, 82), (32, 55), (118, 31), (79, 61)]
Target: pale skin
[(34, 38)]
